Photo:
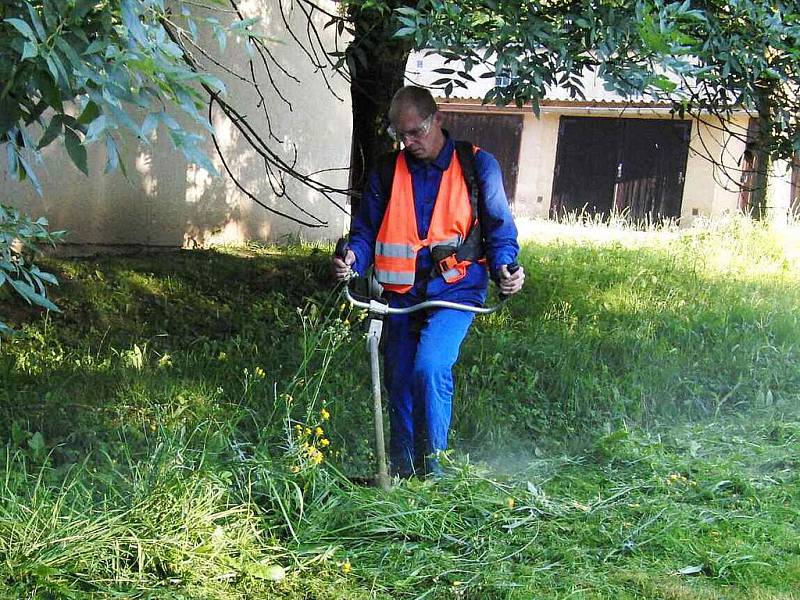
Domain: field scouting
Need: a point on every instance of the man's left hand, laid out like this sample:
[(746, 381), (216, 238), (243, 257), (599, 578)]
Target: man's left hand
[(511, 283)]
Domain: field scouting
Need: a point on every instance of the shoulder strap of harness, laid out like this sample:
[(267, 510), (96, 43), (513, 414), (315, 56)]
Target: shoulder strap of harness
[(472, 247), (385, 167)]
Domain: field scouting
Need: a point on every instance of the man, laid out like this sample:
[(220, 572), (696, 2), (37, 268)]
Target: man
[(409, 228)]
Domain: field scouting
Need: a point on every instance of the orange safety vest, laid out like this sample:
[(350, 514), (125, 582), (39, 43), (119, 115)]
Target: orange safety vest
[(398, 240)]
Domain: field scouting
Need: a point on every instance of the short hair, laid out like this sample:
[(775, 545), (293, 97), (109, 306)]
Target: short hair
[(411, 95)]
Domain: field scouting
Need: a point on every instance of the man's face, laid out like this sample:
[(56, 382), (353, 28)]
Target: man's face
[(422, 137)]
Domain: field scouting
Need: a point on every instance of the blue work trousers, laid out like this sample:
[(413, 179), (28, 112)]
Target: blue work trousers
[(421, 350)]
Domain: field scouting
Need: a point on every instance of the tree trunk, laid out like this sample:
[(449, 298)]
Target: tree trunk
[(377, 64), (762, 157)]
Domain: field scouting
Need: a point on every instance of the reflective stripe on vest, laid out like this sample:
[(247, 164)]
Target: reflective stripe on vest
[(398, 240), (394, 250)]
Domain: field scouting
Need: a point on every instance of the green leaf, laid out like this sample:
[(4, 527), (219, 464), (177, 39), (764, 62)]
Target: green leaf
[(23, 289), (53, 67), (213, 82), (112, 154), (37, 22), (29, 50), (405, 32), (192, 153), (27, 171), (90, 112), (13, 159), (36, 443), (76, 150), (45, 276), (96, 127), (130, 17), (23, 28), (42, 301), (244, 24), (268, 572), (50, 92), (664, 83), (52, 132), (149, 124)]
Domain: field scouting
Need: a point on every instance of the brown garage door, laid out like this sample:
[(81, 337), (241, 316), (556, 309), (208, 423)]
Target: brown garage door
[(498, 134), (631, 166)]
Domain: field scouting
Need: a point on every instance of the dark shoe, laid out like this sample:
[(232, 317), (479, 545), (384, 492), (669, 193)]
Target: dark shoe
[(433, 469)]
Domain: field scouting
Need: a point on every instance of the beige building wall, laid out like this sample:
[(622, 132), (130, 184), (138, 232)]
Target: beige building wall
[(713, 169), (167, 202), (537, 162), (779, 194)]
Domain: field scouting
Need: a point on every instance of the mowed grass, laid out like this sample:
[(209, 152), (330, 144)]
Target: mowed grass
[(194, 425)]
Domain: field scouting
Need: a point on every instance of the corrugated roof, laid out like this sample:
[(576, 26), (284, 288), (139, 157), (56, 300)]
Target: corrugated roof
[(421, 65)]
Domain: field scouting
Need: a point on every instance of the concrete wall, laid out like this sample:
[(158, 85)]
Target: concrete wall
[(537, 162), (167, 202), (713, 169)]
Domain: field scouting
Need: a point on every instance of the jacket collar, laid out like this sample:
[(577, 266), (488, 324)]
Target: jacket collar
[(442, 160)]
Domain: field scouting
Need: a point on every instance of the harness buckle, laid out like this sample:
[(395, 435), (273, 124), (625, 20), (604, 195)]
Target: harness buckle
[(447, 263)]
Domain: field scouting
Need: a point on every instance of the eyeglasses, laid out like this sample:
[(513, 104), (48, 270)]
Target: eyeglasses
[(416, 134)]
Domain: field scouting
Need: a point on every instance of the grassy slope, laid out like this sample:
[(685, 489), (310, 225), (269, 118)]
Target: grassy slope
[(155, 431)]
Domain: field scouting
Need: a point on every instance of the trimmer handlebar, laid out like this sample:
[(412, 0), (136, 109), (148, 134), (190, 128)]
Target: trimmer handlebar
[(379, 307), (382, 308)]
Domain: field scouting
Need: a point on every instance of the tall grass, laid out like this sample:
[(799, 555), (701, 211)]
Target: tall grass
[(186, 431), (610, 329)]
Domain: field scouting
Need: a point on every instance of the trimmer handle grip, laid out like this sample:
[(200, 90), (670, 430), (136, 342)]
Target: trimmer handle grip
[(511, 268), (341, 248)]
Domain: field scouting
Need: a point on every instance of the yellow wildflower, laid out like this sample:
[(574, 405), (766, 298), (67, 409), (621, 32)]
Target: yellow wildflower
[(325, 414), (324, 442), (318, 431), (295, 469), (346, 567), (510, 502), (260, 373)]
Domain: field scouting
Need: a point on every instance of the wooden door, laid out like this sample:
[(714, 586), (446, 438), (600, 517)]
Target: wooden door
[(586, 162), (631, 166), (651, 170), (498, 134)]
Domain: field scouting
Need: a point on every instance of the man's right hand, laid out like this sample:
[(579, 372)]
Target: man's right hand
[(342, 268)]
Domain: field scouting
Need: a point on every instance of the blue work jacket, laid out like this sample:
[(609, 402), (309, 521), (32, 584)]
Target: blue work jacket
[(499, 231)]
